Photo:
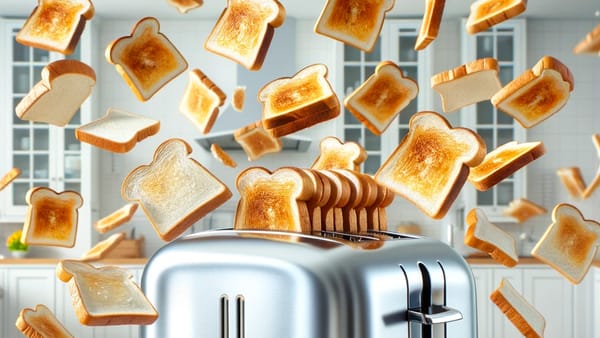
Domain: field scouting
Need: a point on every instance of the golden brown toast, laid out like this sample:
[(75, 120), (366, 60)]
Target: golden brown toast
[(239, 97), (256, 141), (184, 6), (40, 322), (335, 154), (222, 155), (522, 209), (201, 101), (10, 176), (573, 181), (487, 13), (102, 248), (117, 218), (430, 26), (590, 43)]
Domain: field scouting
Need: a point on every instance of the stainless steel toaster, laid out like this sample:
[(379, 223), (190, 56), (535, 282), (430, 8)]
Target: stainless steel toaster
[(270, 284)]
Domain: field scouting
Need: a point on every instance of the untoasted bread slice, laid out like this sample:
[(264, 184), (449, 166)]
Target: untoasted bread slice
[(244, 31), (184, 6), (570, 243), (174, 190), (10, 176), (467, 84), (106, 295), (431, 164), (355, 23), (117, 131), (378, 101), (222, 155), (117, 218), (201, 101), (335, 154), (590, 43), (430, 26), (56, 25), (256, 141), (487, 13), (522, 209), (573, 181), (101, 249), (40, 322), (518, 310), (536, 94), (239, 96), (503, 162), (487, 237), (64, 86), (146, 59), (51, 217)]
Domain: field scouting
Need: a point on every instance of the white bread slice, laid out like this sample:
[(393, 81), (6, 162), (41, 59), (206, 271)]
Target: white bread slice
[(244, 31), (570, 243), (522, 209), (537, 94), (117, 131), (590, 43), (273, 201), (10, 176), (51, 217), (146, 59), (239, 96), (335, 154), (483, 235), (518, 310), (378, 101), (431, 164), (64, 86), (117, 218), (56, 25), (430, 27), (355, 23), (201, 101), (487, 13), (504, 161), (573, 181), (467, 84), (184, 6), (174, 190), (40, 322), (256, 141), (106, 295), (102, 248), (222, 155)]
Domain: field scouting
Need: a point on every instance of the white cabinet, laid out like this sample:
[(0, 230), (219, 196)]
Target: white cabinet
[(596, 301)]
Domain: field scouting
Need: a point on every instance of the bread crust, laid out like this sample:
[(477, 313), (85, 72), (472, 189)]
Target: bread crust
[(40, 322), (10, 176), (487, 13), (201, 101), (430, 26), (517, 319), (498, 253), (117, 218), (590, 43), (573, 181), (102, 248), (222, 155), (522, 209)]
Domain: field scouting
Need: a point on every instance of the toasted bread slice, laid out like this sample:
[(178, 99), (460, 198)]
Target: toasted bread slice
[(589, 190), (570, 243), (174, 190), (10, 176), (596, 141), (64, 86), (355, 23), (573, 181), (536, 94), (336, 154), (487, 237), (146, 59), (256, 141), (239, 97), (106, 295), (332, 217), (431, 164), (470, 83), (184, 6), (222, 155), (430, 26), (56, 25), (378, 101), (201, 101), (117, 218), (487, 13), (117, 131), (503, 162), (244, 31), (100, 250), (40, 322), (522, 209), (518, 310), (51, 217), (590, 43)]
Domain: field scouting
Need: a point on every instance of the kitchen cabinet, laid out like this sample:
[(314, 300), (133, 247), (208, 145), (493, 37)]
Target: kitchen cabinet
[(596, 300)]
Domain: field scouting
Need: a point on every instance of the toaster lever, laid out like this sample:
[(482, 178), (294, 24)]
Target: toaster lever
[(435, 314)]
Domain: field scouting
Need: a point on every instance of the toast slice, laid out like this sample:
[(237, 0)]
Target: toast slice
[(570, 243), (56, 25), (487, 13), (10, 176), (430, 27), (239, 97), (537, 94), (201, 101), (589, 190), (382, 97), (470, 83), (336, 154), (146, 59), (503, 162), (102, 248), (117, 218), (590, 43), (40, 322), (221, 155), (244, 31), (518, 310), (355, 23), (256, 141), (431, 164), (117, 131), (483, 235), (522, 209), (106, 295), (184, 6), (174, 190), (573, 181), (51, 217), (64, 86), (596, 141)]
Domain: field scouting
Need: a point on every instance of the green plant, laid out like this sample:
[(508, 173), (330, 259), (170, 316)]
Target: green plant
[(13, 242)]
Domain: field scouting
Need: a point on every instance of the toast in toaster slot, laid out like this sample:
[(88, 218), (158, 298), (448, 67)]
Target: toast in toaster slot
[(370, 194), (573, 181), (356, 199), (334, 219), (335, 154), (40, 322), (317, 214), (372, 210), (317, 199), (381, 210)]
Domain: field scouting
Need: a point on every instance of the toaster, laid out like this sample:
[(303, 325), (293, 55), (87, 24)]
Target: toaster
[(274, 284)]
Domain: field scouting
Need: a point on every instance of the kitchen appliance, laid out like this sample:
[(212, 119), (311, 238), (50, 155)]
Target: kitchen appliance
[(272, 284)]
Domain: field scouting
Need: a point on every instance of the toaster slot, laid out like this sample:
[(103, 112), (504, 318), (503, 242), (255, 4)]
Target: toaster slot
[(224, 307), (240, 316), (352, 237)]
